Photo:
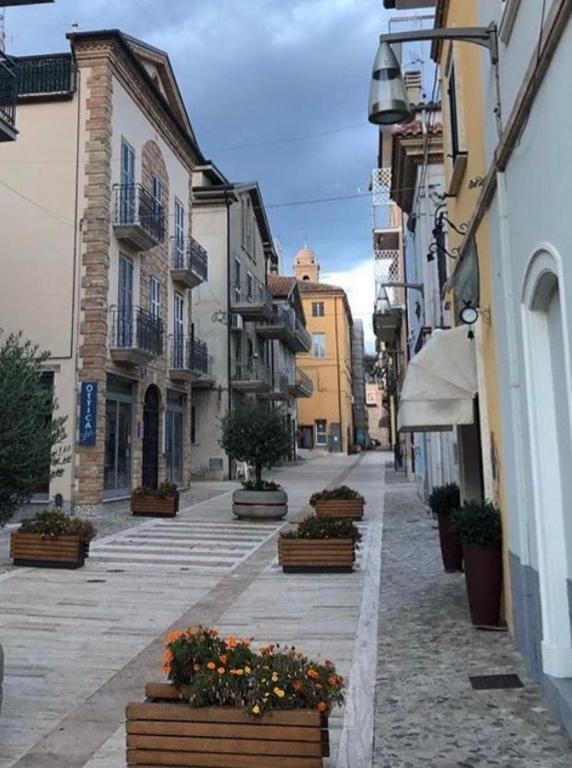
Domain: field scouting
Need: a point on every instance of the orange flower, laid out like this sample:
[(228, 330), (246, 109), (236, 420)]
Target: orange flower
[(211, 665), (313, 674), (172, 636), (332, 680), (322, 706), (231, 641), (233, 671), (221, 670), (224, 658), (213, 633), (297, 686)]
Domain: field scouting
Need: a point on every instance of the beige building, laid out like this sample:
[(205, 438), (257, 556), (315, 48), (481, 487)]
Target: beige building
[(99, 260), (378, 420), (325, 420)]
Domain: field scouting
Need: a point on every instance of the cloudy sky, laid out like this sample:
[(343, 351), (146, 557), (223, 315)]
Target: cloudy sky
[(277, 92)]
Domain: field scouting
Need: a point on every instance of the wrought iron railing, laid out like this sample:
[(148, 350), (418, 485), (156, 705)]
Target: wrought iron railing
[(135, 205), (43, 75), (251, 291), (253, 370), (188, 253), (188, 354), (133, 328), (302, 380), (8, 91), (303, 334)]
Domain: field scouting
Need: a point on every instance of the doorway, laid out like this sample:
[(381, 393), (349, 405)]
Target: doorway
[(118, 418), (307, 437), (150, 464)]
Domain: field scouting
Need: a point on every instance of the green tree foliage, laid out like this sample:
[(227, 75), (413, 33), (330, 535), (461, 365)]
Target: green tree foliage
[(30, 433), (257, 434)]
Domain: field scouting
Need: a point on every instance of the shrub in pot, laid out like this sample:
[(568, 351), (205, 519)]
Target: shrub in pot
[(319, 544), (155, 502), (340, 502), (258, 435), (478, 524), (443, 500), (228, 698), (52, 539)]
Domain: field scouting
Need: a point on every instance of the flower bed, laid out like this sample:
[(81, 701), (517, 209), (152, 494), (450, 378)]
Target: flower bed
[(160, 502), (341, 503), (319, 544), (232, 706)]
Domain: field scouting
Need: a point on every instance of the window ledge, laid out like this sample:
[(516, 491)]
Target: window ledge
[(459, 167), (507, 20)]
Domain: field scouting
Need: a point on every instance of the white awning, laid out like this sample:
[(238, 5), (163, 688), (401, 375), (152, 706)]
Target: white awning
[(440, 384)]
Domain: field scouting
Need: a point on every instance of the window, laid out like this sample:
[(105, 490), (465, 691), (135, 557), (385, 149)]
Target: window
[(127, 201), (179, 243), (157, 190), (317, 309), (319, 344), (237, 280), (124, 335), (249, 287), (321, 432), (193, 424), (155, 298), (453, 114)]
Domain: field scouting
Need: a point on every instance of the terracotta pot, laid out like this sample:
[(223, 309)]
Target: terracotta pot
[(483, 577), (451, 546)]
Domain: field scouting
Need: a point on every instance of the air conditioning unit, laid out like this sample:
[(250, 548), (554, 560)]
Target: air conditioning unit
[(236, 322)]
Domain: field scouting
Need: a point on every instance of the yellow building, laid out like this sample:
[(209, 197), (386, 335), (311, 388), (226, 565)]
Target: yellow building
[(471, 281), (325, 420)]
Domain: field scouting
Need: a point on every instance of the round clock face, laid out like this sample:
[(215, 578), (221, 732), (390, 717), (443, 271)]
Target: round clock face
[(469, 315)]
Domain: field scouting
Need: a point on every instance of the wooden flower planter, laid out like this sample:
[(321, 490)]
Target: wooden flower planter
[(32, 549), (341, 509), (165, 731), (154, 506), (316, 555)]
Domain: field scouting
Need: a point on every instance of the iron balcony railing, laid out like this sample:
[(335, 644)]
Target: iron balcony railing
[(188, 354), (284, 316), (8, 91), (303, 334), (281, 383), (250, 290), (253, 370), (45, 75), (301, 380), (133, 328), (188, 253), (134, 205)]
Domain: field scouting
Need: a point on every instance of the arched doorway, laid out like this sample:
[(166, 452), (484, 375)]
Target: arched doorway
[(150, 463), (547, 379)]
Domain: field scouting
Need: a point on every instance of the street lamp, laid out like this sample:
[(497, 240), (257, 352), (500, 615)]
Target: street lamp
[(388, 102)]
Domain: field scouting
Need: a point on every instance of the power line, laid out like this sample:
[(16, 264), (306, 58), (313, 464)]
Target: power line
[(318, 200), (291, 139), (37, 205)]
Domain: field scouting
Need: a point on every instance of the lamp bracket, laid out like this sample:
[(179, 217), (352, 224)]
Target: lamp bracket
[(485, 36), (408, 286)]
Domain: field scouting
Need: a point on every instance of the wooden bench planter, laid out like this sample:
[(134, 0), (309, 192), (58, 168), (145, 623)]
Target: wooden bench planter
[(165, 731), (32, 549), (341, 509), (316, 555), (154, 506)]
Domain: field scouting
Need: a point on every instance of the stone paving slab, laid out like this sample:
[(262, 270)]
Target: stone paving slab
[(427, 713)]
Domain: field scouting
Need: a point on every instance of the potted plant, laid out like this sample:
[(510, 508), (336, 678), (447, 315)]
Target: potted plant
[(226, 701), (479, 526), (155, 502), (340, 502), (51, 539), (443, 500), (319, 544), (258, 435)]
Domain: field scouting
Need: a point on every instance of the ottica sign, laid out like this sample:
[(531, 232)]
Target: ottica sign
[(88, 413)]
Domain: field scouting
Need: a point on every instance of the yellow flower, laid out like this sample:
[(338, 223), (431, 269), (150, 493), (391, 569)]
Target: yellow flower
[(247, 670), (279, 692), (256, 709), (274, 677)]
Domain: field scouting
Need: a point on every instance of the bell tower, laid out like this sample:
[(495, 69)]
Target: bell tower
[(305, 265)]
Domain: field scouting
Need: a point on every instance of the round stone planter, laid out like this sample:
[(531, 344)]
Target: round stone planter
[(259, 505)]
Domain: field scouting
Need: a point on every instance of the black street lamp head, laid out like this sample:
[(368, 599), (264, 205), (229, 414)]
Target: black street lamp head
[(388, 101)]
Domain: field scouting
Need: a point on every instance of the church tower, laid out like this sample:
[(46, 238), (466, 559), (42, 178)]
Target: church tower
[(305, 265)]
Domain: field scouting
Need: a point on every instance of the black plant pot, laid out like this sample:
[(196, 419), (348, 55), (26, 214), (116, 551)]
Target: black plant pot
[(451, 546), (483, 577)]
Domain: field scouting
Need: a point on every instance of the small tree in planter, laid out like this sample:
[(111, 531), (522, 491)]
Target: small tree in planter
[(479, 526), (319, 544), (259, 435), (340, 502), (443, 500)]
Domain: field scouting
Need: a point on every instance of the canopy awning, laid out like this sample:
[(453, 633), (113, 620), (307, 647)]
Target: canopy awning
[(440, 384)]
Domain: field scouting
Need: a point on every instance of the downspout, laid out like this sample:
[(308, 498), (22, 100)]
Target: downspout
[(229, 319), (74, 341), (338, 368)]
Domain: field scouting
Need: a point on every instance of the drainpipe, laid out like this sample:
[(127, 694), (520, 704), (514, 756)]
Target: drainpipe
[(338, 367), (229, 318)]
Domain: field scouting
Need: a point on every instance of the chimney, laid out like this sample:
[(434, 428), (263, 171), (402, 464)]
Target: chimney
[(414, 86)]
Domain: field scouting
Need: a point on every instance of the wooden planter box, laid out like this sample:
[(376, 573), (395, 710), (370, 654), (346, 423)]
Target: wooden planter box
[(32, 549), (165, 731), (316, 555), (342, 509), (154, 506)]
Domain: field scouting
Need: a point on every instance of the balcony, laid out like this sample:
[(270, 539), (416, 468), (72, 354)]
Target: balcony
[(45, 77), (282, 326), (280, 388), (386, 320), (302, 338), (135, 336), (189, 361), (8, 96), (251, 300), (301, 385), (189, 262), (252, 377), (139, 220)]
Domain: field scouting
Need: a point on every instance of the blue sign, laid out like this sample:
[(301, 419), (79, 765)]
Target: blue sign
[(88, 413)]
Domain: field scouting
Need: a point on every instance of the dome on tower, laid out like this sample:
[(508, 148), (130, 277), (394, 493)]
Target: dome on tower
[(305, 256), (306, 266)]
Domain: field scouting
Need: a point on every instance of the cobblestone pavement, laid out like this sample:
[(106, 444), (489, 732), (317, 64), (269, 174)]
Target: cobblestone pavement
[(427, 713)]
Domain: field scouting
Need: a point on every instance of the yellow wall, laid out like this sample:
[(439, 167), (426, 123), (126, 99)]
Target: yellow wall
[(467, 61), (332, 396)]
